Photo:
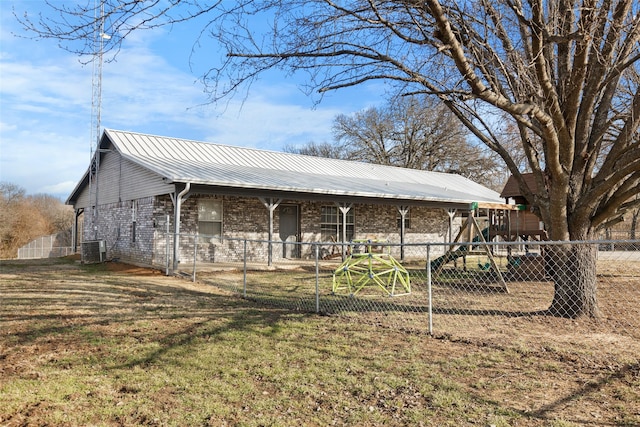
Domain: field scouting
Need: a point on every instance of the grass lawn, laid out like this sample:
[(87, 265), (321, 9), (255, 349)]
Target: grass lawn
[(115, 345)]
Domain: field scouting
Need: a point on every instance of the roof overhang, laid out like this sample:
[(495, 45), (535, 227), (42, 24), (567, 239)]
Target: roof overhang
[(204, 189)]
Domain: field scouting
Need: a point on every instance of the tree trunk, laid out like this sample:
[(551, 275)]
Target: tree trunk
[(573, 269)]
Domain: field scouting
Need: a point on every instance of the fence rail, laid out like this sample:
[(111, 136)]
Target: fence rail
[(432, 288)]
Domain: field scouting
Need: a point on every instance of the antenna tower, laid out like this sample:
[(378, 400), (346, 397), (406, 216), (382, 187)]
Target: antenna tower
[(96, 102), (96, 79)]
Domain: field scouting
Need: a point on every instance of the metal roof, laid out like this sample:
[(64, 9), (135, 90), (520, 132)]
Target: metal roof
[(181, 161)]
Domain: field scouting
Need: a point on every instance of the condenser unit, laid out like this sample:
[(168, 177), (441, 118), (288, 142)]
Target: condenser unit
[(94, 251)]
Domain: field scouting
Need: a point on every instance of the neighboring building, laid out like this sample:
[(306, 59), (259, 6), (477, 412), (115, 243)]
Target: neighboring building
[(139, 186)]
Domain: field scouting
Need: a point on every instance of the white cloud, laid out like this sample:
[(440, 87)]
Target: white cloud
[(65, 187), (7, 127), (45, 104), (40, 160), (264, 124), (142, 92)]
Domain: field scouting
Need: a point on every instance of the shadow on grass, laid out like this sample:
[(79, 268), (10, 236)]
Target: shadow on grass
[(58, 308), (568, 409), (241, 319), (623, 374)]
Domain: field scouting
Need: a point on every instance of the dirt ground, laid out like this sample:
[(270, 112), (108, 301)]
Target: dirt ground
[(585, 378)]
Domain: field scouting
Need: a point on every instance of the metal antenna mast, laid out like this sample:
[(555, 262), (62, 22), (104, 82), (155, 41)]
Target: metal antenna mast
[(96, 79), (99, 37)]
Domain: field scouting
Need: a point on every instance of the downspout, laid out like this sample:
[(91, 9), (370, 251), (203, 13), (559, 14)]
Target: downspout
[(176, 223)]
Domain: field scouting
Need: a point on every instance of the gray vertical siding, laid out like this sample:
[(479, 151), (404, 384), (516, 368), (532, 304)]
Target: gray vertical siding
[(119, 180)]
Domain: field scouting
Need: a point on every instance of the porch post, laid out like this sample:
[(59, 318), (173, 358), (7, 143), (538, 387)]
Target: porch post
[(452, 214), (344, 208), (403, 210), (271, 206)]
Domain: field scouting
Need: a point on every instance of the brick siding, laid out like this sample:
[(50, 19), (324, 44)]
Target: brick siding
[(243, 218)]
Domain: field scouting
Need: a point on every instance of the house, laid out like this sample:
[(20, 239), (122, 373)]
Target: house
[(140, 188)]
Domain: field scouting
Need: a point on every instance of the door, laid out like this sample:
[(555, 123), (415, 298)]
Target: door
[(289, 230)]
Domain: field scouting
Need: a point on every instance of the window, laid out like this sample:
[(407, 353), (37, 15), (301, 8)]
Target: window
[(210, 218), (331, 224)]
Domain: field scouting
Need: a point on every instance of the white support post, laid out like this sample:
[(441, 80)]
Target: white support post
[(344, 208), (452, 214), (271, 205), (403, 210)]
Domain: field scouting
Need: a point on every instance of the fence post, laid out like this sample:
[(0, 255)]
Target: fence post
[(244, 269), (317, 252), (195, 256), (430, 303)]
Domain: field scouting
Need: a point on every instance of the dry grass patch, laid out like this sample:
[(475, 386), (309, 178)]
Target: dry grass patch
[(97, 345)]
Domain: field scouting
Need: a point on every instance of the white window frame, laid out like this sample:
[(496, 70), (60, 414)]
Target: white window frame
[(210, 218), (333, 229)]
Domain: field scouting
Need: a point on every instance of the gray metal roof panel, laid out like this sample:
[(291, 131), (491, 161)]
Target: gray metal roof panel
[(223, 165)]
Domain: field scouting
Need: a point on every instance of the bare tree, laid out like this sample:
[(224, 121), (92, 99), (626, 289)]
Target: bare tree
[(59, 216), (11, 196), (322, 149), (564, 73), (24, 217), (411, 132)]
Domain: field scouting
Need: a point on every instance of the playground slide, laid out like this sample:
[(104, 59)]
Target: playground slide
[(461, 251)]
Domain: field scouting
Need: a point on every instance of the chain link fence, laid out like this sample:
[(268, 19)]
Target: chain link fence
[(52, 246), (462, 290)]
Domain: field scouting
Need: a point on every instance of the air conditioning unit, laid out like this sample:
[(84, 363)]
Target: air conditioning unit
[(94, 251)]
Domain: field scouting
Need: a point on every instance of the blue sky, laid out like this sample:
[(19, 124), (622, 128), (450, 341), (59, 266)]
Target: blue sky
[(45, 103)]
